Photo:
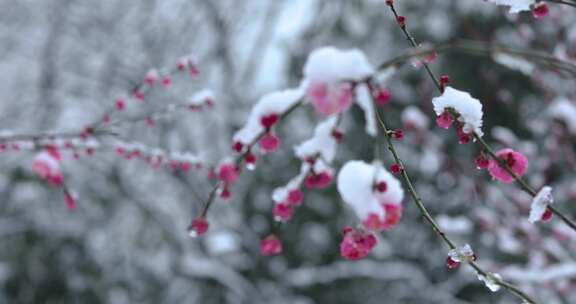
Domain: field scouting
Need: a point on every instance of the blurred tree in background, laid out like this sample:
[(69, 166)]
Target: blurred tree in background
[(64, 62)]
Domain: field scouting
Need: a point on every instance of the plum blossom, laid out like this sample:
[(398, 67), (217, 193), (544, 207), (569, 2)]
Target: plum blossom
[(46, 164), (270, 245), (459, 255), (539, 206), (328, 72), (469, 110), (515, 160), (357, 244), (361, 187)]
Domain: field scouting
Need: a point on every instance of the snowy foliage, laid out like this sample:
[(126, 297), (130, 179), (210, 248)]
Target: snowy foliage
[(515, 6)]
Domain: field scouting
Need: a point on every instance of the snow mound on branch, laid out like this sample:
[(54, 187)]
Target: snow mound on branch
[(564, 110), (540, 203), (330, 65), (272, 103), (364, 101), (469, 108), (356, 182), (201, 97), (515, 6), (322, 143)]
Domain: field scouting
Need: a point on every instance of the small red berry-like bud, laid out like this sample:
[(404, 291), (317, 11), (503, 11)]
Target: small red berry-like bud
[(237, 146), (198, 227), (106, 119), (347, 229), (250, 158), (270, 245), (482, 162), (338, 135), (396, 168), (269, 120), (451, 264), (444, 79), (383, 97), (463, 137), (401, 21), (225, 194), (381, 187), (390, 2), (547, 216), (397, 134), (540, 10)]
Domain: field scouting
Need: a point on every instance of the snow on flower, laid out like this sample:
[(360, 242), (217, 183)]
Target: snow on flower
[(565, 111), (322, 142), (47, 165), (364, 100), (357, 244), (515, 160), (515, 6), (462, 254), (540, 204), (413, 118), (358, 185), (274, 103), (205, 96), (490, 281), (327, 73), (468, 108)]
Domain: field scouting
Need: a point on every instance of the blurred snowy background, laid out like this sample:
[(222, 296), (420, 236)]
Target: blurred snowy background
[(64, 62)]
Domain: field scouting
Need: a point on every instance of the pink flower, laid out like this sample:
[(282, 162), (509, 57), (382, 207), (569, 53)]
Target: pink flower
[(46, 164), (295, 197), (393, 215), (451, 264), (330, 98), (318, 180), (166, 81), (515, 160), (445, 120), (540, 10), (373, 222), (357, 244), (269, 143), (199, 226), (228, 173), (270, 245), (463, 137), (283, 212)]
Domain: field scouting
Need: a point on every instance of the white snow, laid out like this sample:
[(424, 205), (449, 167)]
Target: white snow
[(356, 187), (330, 65), (490, 282), (469, 108), (461, 254), (272, 103), (515, 6), (565, 111), (414, 117), (458, 224), (539, 204), (364, 101), (322, 143), (201, 97), (514, 62), (280, 194)]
